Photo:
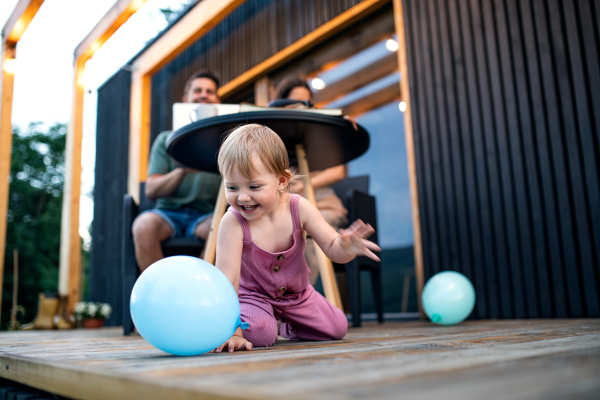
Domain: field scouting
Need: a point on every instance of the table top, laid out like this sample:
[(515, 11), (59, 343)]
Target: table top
[(328, 140)]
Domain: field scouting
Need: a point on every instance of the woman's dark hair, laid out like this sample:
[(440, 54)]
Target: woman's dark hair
[(286, 86)]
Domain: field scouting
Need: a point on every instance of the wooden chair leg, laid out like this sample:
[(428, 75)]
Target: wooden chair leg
[(209, 252), (330, 287)]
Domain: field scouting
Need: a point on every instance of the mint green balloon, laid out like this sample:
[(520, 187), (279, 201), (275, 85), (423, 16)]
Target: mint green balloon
[(448, 298)]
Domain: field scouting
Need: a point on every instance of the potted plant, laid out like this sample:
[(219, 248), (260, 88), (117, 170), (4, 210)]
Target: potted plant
[(92, 314)]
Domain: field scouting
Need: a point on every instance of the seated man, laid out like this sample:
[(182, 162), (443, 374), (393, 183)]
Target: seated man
[(185, 198)]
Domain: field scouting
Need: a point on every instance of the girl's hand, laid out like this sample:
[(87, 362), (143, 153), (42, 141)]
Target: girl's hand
[(353, 242), (234, 343)]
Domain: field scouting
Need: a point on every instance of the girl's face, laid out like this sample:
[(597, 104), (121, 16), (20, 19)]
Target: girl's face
[(255, 197)]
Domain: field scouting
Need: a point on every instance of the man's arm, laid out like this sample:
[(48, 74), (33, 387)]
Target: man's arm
[(163, 185)]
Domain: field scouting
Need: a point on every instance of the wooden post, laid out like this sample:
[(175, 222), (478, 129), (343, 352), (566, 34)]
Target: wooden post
[(8, 52), (139, 133), (69, 275), (70, 247), (330, 286), (12, 31), (210, 249), (410, 149), (14, 309)]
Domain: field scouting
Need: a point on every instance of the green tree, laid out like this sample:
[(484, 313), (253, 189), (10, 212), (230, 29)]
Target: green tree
[(33, 218)]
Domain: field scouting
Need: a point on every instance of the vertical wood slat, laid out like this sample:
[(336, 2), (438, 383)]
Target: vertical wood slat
[(469, 235), (515, 202), (444, 146), (586, 177), (536, 282), (505, 97), (478, 169), (408, 79), (592, 68), (497, 165), (566, 150), (430, 155), (424, 187), (536, 49)]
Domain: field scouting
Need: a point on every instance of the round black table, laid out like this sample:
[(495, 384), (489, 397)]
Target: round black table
[(328, 140)]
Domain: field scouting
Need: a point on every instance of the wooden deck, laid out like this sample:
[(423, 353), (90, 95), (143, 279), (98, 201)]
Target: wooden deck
[(545, 359)]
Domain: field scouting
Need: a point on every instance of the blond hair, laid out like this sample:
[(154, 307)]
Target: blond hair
[(236, 151)]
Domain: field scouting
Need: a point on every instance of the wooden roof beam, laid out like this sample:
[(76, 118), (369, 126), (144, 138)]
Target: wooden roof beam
[(303, 44), (19, 20), (335, 51), (355, 80), (376, 99), (106, 27)]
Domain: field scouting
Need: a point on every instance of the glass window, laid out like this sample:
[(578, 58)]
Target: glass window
[(386, 164)]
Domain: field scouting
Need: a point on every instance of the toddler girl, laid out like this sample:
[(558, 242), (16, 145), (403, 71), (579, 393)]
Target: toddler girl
[(260, 245)]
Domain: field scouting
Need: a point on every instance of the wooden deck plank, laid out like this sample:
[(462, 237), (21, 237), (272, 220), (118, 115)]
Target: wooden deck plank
[(523, 358)]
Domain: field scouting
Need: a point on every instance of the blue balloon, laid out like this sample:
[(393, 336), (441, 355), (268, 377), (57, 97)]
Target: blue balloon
[(184, 306), (448, 298)]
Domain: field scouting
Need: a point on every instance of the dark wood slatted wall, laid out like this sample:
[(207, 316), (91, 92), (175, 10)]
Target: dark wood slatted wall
[(112, 146), (252, 33), (506, 108)]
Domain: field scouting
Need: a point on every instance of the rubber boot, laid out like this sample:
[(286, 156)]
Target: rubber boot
[(62, 320), (47, 307)]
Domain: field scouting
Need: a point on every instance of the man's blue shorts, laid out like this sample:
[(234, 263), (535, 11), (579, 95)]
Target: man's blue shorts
[(183, 222)]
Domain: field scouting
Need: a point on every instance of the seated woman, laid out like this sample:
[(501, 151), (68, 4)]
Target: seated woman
[(330, 206)]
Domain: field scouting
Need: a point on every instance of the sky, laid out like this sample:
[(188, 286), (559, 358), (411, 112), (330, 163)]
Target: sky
[(44, 76)]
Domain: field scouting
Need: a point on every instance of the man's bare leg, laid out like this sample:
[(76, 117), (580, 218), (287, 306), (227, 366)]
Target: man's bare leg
[(202, 231), (149, 230), (203, 228)]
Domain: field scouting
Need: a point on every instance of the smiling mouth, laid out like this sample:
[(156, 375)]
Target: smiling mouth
[(249, 209)]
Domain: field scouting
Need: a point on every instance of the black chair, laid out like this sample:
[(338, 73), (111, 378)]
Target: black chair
[(353, 192), (129, 268)]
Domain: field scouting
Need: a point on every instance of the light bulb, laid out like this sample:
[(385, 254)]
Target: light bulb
[(391, 45), (402, 106), (317, 83), (10, 65)]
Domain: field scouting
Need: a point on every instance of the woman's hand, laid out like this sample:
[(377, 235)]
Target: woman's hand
[(234, 343), (297, 186), (352, 240)]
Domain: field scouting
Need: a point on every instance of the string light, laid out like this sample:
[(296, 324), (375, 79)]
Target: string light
[(402, 106), (391, 45), (10, 65), (136, 4), (317, 83)]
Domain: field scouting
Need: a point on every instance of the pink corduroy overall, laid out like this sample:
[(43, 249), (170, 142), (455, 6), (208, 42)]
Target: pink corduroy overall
[(275, 286)]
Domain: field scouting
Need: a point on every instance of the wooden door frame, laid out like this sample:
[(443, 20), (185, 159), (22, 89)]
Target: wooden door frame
[(410, 149)]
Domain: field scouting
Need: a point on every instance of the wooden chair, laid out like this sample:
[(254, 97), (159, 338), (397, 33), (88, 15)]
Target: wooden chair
[(129, 268), (353, 192)]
